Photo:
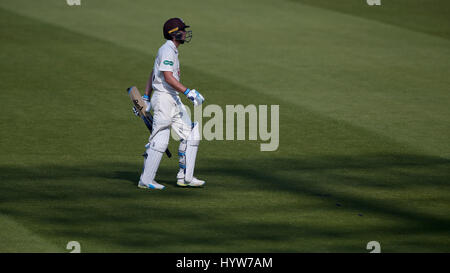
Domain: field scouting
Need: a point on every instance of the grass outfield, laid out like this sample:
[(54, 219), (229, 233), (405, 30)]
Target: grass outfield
[(364, 149)]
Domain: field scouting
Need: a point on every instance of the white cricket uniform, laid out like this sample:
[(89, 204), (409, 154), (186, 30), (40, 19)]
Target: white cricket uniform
[(168, 110)]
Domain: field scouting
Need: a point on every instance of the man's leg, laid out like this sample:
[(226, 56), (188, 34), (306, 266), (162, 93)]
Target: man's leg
[(190, 134), (191, 152), (155, 149), (182, 160), (159, 139), (185, 177)]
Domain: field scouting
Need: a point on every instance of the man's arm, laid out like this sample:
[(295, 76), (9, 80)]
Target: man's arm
[(149, 88), (193, 95), (148, 93), (170, 79)]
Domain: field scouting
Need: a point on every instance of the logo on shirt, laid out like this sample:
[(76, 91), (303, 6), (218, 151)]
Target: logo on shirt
[(167, 62)]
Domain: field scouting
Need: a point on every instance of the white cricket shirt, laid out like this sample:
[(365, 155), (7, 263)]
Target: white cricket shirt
[(166, 60)]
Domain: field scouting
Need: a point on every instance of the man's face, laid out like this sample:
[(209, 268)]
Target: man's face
[(179, 38), (183, 37)]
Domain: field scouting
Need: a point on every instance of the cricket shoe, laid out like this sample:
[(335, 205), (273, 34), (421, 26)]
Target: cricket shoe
[(195, 183), (152, 186)]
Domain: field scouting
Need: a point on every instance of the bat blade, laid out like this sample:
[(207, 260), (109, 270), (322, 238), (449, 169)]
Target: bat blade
[(137, 100)]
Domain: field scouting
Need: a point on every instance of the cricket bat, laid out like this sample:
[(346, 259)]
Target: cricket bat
[(139, 104)]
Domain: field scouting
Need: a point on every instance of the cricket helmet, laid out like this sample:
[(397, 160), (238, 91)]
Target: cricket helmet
[(174, 28)]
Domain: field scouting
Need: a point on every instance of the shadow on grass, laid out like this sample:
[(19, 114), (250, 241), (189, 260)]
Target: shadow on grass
[(100, 204)]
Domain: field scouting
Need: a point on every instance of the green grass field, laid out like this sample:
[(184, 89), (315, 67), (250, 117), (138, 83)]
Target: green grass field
[(364, 155)]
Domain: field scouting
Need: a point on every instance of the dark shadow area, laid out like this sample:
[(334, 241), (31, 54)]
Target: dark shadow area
[(85, 201)]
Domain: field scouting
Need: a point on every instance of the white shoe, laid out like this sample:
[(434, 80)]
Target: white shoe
[(194, 183), (153, 186)]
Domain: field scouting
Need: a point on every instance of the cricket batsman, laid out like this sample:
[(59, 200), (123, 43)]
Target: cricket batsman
[(169, 112)]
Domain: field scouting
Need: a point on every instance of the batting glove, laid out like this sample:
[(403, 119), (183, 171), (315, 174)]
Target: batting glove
[(135, 112), (148, 105), (194, 96)]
